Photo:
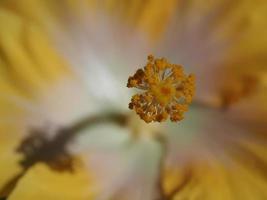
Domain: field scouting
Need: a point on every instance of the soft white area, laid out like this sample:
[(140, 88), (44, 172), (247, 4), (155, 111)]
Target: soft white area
[(193, 42), (103, 53), (104, 136), (122, 166), (204, 135), (65, 102)]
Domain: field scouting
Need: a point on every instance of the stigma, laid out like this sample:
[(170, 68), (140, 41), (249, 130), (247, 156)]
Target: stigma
[(166, 91)]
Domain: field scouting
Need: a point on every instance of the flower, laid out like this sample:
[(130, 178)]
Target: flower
[(67, 132)]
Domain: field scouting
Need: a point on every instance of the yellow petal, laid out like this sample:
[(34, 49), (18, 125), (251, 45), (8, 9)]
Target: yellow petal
[(27, 54), (150, 16), (247, 184), (9, 159), (32, 10), (40, 182), (215, 181), (198, 181), (20, 65)]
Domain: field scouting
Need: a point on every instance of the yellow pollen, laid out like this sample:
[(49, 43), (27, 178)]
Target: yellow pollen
[(167, 91)]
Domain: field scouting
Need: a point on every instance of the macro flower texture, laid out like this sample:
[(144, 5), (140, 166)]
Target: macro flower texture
[(133, 100)]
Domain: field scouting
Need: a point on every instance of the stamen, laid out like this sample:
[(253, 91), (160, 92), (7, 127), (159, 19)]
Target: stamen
[(167, 91)]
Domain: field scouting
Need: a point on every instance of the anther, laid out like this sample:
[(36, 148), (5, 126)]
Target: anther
[(167, 91)]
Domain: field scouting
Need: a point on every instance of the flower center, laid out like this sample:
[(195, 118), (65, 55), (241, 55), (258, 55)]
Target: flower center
[(167, 91), (163, 92)]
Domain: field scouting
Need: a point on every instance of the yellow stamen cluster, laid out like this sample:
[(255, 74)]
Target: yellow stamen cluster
[(167, 91)]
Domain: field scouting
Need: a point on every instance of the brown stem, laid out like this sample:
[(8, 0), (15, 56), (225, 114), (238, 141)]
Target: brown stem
[(53, 152)]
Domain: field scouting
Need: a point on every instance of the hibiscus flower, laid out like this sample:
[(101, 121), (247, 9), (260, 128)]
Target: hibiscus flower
[(67, 131)]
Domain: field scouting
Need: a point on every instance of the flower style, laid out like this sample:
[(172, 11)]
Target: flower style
[(67, 131)]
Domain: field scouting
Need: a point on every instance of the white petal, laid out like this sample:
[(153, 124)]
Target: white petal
[(103, 53), (124, 168)]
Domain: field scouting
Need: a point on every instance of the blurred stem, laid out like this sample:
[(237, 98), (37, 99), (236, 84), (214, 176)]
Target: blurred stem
[(51, 151)]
